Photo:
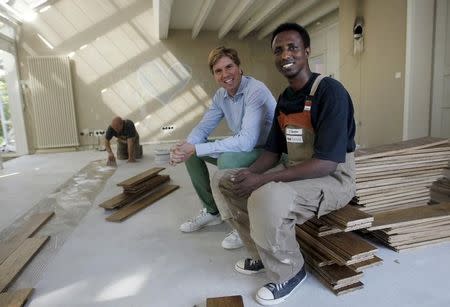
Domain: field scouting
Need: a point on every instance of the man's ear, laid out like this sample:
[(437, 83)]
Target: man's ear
[(307, 51)]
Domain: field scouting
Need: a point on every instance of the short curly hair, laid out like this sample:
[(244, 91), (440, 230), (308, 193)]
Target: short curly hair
[(219, 52), (291, 26)]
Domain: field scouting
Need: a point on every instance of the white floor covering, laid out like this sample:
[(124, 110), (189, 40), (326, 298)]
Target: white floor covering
[(147, 261)]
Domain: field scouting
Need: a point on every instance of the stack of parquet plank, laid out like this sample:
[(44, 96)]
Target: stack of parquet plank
[(139, 192), (413, 227), (335, 255), (399, 175), (15, 253)]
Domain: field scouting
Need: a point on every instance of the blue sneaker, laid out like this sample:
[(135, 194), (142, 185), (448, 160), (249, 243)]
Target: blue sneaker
[(272, 294)]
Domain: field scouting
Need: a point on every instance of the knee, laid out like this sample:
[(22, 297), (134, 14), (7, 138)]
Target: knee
[(192, 161), (223, 180), (227, 160), (271, 203)]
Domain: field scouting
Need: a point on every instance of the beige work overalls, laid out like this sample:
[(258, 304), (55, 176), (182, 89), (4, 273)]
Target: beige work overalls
[(266, 220)]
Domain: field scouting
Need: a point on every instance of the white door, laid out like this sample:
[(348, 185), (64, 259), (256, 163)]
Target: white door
[(440, 116)]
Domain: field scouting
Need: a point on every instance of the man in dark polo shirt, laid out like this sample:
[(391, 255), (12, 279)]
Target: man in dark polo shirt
[(315, 128), (128, 146)]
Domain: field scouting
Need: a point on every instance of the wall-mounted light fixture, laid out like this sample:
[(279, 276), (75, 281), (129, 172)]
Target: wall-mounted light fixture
[(358, 35)]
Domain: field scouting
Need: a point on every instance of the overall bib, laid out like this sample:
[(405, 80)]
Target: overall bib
[(266, 220)]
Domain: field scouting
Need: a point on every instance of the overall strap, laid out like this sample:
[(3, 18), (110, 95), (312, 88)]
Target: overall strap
[(314, 87)]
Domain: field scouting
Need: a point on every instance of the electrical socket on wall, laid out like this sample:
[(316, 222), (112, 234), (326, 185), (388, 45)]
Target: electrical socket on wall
[(168, 128), (99, 132)]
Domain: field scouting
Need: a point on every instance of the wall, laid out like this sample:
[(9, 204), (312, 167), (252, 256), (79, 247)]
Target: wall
[(370, 77), (324, 35), (119, 68)]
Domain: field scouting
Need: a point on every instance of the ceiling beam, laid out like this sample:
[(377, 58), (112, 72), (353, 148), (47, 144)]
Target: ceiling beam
[(201, 17), (318, 12), (11, 13), (290, 15), (260, 17), (161, 13), (231, 20)]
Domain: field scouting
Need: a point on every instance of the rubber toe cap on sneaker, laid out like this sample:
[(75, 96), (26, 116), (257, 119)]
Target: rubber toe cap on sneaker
[(265, 297)]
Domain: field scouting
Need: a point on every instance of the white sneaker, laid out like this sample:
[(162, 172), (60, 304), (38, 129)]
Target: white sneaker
[(200, 221), (232, 240)]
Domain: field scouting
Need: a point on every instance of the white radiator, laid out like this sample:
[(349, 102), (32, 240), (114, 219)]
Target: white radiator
[(52, 102)]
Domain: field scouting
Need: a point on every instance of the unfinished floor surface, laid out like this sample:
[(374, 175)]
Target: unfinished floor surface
[(147, 261)]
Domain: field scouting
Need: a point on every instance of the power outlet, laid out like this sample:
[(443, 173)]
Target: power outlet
[(99, 132), (168, 128)]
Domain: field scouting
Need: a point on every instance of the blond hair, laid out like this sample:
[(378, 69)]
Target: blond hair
[(219, 52)]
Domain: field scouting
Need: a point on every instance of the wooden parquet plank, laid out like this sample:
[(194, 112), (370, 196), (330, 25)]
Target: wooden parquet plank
[(408, 156), (358, 267), (347, 216), (316, 257), (347, 245), (141, 177), (127, 198), (225, 301), (399, 147), (408, 167), (147, 185), (337, 289), (117, 201), (350, 288), (14, 264), (318, 243), (410, 216), (417, 227), (16, 298), (131, 209), (420, 244), (33, 224)]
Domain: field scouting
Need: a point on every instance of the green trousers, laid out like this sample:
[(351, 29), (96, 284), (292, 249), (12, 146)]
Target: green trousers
[(198, 171)]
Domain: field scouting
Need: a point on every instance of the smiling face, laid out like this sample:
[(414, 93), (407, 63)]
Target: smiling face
[(291, 56), (227, 74)]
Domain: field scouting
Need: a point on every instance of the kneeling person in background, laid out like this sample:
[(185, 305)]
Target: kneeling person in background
[(128, 146)]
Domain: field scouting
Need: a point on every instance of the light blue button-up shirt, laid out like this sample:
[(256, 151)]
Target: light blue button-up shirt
[(249, 116)]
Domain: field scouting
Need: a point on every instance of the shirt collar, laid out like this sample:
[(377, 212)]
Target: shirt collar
[(244, 81)]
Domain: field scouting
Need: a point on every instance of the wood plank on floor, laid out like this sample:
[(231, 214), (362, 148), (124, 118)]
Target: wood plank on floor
[(127, 198), (340, 289), (131, 209), (410, 216), (147, 185), (358, 267), (225, 301), (33, 224), (347, 216), (14, 264), (399, 147), (140, 177), (16, 298)]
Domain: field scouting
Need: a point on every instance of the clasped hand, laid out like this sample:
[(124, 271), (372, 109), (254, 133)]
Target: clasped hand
[(245, 182), (181, 152)]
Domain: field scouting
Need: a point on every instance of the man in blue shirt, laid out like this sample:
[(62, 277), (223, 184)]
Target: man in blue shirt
[(248, 107)]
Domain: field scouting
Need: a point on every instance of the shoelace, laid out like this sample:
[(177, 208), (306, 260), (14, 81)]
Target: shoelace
[(253, 262), (273, 286), (202, 214), (232, 233)]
